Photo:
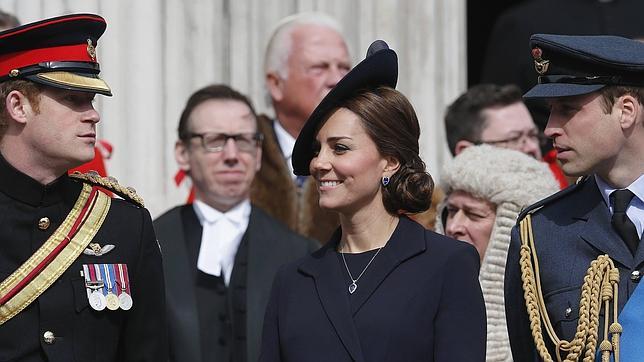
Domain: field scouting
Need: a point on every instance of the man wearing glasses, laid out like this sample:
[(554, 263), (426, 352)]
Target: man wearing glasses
[(220, 253), (496, 115)]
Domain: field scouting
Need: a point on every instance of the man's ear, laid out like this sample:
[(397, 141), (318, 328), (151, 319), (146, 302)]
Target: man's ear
[(182, 156), (274, 84), (461, 145), (18, 106), (631, 110)]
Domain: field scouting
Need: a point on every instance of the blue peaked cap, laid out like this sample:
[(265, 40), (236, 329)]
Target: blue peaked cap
[(569, 65)]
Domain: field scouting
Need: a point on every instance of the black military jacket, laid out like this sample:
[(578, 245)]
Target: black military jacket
[(29, 214)]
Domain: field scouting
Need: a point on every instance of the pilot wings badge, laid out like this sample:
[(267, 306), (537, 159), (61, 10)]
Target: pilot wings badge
[(95, 249)]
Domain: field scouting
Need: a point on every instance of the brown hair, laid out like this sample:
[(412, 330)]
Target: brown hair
[(390, 121), (464, 117), (211, 92), (611, 93), (30, 90)]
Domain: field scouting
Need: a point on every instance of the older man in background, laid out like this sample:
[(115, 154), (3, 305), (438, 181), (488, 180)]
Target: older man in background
[(305, 57)]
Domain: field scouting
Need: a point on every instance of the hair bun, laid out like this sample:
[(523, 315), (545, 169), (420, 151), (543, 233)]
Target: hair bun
[(410, 188)]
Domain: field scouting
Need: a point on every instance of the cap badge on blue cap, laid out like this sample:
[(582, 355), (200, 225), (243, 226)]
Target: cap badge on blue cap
[(91, 50), (540, 65)]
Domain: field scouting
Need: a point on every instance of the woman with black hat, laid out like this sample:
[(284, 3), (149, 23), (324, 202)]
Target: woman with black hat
[(383, 288)]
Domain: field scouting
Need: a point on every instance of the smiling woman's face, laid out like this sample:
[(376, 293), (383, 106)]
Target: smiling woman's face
[(470, 219), (347, 165)]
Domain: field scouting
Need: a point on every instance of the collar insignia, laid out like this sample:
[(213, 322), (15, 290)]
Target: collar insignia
[(540, 65)]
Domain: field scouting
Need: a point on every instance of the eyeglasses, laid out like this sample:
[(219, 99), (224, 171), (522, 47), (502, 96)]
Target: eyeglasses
[(215, 142), (518, 140)]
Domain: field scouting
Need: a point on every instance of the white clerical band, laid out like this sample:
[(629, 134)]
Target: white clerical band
[(220, 238)]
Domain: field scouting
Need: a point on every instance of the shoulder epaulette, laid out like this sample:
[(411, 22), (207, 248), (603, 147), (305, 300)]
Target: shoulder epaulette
[(556, 196), (110, 183)]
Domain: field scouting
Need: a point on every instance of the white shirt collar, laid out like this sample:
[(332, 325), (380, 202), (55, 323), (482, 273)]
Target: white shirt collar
[(239, 214), (635, 210), (637, 188), (286, 142), (220, 238)]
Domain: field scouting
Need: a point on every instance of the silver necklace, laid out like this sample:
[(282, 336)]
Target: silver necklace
[(354, 282)]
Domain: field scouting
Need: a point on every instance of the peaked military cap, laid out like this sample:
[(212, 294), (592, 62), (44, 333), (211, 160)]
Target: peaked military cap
[(58, 52), (570, 65), (379, 68)]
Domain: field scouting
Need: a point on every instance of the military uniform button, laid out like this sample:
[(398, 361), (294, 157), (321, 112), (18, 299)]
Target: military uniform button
[(568, 312), (49, 337), (635, 276), (43, 223)]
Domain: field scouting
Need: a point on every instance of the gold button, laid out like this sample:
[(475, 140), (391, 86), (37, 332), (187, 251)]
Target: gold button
[(43, 223), (635, 276), (49, 337)]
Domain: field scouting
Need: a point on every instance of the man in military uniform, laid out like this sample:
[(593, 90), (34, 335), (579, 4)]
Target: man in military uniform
[(80, 273), (575, 259)]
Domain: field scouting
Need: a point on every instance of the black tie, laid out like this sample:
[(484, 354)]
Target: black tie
[(622, 224)]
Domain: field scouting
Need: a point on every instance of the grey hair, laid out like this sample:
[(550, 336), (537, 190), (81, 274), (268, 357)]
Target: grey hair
[(280, 42)]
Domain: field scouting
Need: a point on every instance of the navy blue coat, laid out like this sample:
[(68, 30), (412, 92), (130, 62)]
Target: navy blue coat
[(571, 229), (420, 300)]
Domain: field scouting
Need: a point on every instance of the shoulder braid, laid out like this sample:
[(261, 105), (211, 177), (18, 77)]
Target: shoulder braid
[(599, 290), (112, 184)]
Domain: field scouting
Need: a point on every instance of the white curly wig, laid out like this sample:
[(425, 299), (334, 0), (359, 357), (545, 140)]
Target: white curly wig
[(511, 180)]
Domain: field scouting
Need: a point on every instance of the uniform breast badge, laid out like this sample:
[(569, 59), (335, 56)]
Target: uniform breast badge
[(107, 286), (95, 249)]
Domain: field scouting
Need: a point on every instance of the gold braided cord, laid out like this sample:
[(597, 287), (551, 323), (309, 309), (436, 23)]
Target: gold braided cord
[(599, 290), (112, 184)]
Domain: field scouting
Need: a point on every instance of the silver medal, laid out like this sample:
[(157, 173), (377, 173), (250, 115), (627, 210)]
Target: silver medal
[(97, 300), (125, 301)]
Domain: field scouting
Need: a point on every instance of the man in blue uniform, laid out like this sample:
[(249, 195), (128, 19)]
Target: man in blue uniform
[(575, 260), (80, 272)]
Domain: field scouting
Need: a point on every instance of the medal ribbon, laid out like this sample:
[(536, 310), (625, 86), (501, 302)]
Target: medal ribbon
[(125, 284), (100, 278), (108, 278)]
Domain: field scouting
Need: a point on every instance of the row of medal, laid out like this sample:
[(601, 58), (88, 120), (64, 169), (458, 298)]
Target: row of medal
[(107, 286)]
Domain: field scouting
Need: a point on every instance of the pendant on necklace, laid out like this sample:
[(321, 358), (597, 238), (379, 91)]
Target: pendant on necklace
[(352, 287)]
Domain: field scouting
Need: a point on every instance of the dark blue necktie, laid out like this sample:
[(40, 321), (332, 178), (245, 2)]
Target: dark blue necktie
[(622, 224)]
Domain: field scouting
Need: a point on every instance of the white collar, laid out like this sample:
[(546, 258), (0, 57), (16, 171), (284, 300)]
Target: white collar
[(220, 238), (286, 142), (239, 214)]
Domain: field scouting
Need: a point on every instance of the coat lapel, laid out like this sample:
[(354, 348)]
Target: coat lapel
[(407, 240), (325, 270), (262, 256), (180, 290), (597, 230)]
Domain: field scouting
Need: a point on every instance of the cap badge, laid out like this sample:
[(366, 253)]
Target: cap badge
[(14, 73), (91, 50), (540, 65)]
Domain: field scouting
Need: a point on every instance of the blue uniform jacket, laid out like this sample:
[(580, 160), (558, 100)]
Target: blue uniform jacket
[(571, 229)]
